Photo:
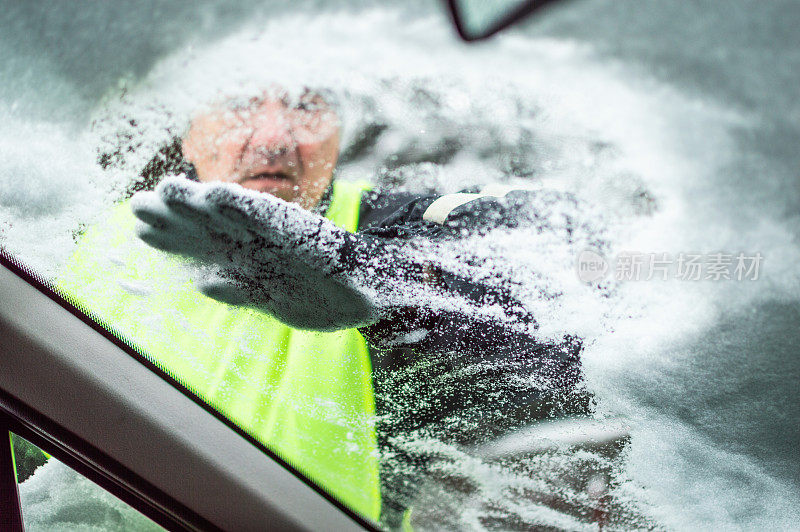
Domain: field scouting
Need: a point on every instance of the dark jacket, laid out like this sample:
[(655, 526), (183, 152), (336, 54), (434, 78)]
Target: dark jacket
[(465, 380), (462, 379)]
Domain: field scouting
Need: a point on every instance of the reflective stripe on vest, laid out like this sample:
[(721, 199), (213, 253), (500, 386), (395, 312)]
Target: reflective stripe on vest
[(306, 395), (439, 210)]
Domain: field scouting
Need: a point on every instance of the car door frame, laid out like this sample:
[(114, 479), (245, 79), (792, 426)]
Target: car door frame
[(88, 397)]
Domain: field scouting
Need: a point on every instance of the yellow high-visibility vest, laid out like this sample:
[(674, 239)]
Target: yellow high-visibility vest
[(307, 396)]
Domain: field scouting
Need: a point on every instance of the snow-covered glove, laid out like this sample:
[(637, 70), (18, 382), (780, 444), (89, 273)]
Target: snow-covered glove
[(260, 251)]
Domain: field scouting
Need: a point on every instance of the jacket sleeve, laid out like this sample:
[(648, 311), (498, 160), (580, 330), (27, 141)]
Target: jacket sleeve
[(451, 218)]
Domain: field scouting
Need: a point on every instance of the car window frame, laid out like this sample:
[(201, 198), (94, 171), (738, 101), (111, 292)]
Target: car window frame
[(105, 374)]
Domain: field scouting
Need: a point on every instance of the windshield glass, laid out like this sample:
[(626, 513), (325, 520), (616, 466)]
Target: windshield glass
[(657, 146)]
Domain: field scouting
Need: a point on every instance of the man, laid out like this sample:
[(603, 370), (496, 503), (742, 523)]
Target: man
[(269, 228), (268, 146), (289, 151)]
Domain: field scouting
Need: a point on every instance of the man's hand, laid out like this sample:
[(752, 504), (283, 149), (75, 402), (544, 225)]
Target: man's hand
[(263, 252), (257, 250)]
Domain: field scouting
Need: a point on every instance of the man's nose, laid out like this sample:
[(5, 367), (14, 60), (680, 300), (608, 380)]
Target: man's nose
[(272, 136), (273, 149)]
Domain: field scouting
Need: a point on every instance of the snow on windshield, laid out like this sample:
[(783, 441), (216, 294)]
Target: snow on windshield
[(645, 160)]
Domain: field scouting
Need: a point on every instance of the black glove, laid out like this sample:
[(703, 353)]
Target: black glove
[(260, 251)]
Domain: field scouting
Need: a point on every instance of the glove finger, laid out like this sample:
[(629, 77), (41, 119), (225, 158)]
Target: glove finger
[(226, 291), (149, 209), (165, 240), (161, 228), (267, 215), (181, 199), (242, 208), (177, 190), (185, 201), (189, 201), (187, 244), (290, 231)]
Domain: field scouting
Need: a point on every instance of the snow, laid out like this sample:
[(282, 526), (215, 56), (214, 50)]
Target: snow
[(651, 161), (55, 497)]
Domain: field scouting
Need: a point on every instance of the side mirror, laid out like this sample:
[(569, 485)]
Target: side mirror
[(478, 19)]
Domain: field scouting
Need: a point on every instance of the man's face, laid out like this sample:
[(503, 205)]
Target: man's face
[(268, 145)]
